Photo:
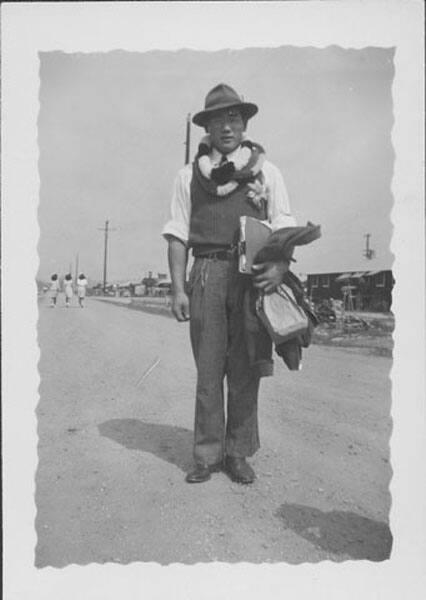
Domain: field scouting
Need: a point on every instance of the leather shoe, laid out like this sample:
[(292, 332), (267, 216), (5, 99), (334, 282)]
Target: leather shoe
[(202, 473), (239, 470)]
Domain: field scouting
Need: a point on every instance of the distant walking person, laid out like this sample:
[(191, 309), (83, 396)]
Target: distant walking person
[(68, 289), (81, 289), (54, 290)]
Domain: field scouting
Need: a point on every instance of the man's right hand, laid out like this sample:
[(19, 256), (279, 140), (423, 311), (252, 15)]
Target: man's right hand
[(180, 306)]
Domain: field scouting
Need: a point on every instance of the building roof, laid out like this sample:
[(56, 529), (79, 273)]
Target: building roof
[(348, 274)]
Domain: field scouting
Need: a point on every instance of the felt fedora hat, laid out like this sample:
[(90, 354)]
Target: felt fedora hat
[(223, 96)]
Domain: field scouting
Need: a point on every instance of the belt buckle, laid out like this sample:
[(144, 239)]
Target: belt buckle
[(224, 254)]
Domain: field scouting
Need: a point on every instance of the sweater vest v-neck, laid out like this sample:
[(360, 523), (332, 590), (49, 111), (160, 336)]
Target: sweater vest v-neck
[(215, 220)]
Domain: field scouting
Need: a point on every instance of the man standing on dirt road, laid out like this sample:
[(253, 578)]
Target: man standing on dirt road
[(229, 178)]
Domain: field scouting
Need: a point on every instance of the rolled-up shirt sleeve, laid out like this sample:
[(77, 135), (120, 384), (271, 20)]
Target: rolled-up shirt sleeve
[(178, 224), (279, 211)]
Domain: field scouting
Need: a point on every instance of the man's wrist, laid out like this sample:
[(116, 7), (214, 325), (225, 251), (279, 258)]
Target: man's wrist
[(178, 289)]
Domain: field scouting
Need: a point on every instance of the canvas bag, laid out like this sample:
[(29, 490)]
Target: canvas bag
[(282, 316)]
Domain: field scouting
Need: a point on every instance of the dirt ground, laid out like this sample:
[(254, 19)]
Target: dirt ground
[(115, 430), (370, 333)]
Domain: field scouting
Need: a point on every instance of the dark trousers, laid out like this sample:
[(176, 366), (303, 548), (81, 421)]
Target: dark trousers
[(218, 343)]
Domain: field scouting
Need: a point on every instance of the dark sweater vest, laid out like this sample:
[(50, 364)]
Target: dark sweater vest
[(215, 220)]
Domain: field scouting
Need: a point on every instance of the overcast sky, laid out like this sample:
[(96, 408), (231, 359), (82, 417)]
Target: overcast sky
[(111, 133)]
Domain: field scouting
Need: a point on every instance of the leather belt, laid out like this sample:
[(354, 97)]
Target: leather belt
[(227, 254)]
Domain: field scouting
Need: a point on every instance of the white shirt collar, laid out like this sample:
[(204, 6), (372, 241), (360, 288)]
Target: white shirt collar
[(216, 156)]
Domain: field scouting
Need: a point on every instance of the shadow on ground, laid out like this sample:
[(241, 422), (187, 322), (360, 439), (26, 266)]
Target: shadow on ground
[(339, 532), (170, 443)]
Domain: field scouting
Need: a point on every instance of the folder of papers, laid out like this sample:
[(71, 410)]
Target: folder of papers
[(253, 236)]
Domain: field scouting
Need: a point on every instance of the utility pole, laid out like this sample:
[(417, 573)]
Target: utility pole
[(188, 138), (368, 252), (76, 267), (105, 229)]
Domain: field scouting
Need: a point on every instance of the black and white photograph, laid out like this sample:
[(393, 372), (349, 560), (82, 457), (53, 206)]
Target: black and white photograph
[(217, 298), (279, 430)]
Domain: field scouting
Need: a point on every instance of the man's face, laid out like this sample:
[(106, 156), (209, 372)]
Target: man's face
[(226, 128)]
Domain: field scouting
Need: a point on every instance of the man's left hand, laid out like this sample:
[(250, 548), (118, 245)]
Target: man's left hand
[(268, 276)]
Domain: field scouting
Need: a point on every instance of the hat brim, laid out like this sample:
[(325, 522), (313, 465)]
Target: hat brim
[(248, 110)]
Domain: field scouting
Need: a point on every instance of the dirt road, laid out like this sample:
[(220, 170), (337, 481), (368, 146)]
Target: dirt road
[(114, 422)]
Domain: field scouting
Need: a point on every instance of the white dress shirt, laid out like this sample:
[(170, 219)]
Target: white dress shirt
[(279, 214)]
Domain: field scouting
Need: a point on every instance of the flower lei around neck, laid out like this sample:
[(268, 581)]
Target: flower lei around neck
[(245, 168)]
